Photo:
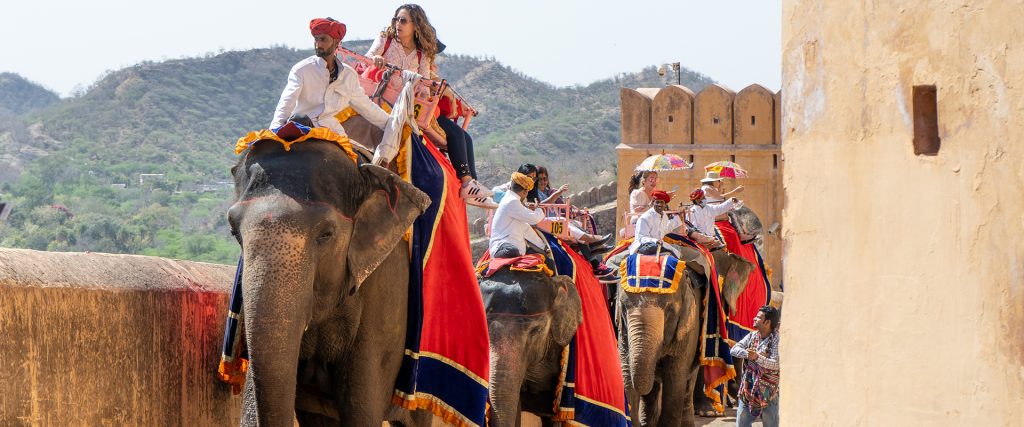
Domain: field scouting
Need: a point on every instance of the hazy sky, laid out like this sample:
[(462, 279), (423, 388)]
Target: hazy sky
[(64, 44)]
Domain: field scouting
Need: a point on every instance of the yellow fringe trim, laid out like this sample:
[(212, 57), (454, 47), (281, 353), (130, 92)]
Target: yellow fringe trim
[(535, 269), (233, 373), (431, 403), (709, 389), (315, 133), (345, 114), (542, 267)]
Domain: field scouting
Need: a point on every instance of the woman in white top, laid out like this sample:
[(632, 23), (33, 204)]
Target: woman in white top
[(410, 43), (641, 185)]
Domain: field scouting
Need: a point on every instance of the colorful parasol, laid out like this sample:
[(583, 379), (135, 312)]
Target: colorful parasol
[(726, 170), (664, 162)]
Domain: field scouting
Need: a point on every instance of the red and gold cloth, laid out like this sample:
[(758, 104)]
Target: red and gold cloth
[(446, 365), (758, 291)]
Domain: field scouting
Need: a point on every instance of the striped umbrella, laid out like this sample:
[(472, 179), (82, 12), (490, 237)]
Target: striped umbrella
[(726, 170), (664, 162)]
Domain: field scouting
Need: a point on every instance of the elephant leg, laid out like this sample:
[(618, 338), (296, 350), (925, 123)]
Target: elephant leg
[(307, 419), (678, 379), (363, 388), (650, 406)]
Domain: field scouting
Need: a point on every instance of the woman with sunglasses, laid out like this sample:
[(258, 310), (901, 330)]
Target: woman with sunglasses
[(410, 43)]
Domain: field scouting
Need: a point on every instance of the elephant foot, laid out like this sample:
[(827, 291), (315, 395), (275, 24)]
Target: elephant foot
[(703, 408)]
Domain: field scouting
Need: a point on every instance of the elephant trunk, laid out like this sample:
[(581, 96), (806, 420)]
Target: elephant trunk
[(277, 291), (645, 329), (508, 370)]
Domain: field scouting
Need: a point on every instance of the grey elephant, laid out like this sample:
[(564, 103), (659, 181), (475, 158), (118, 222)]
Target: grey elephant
[(531, 318), (659, 340), (321, 311)]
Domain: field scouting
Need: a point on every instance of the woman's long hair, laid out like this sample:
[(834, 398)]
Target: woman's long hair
[(424, 34), (637, 180)]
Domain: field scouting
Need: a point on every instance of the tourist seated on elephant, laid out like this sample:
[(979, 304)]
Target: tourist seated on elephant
[(513, 221), (653, 225), (641, 185), (410, 43), (533, 196), (711, 185), (321, 86), (712, 242), (587, 244), (544, 190), (702, 216)]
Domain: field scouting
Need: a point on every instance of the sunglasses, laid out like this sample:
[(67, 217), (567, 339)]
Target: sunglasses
[(401, 20)]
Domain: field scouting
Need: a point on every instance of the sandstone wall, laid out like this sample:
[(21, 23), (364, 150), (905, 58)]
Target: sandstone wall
[(904, 272), (96, 339)]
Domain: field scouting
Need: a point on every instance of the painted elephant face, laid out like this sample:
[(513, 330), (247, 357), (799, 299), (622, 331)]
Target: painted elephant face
[(313, 207), (312, 226), (650, 325)]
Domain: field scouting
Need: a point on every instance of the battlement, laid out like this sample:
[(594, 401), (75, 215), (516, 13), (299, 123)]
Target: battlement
[(715, 124)]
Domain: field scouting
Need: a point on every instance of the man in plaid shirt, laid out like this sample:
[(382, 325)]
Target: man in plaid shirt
[(759, 386)]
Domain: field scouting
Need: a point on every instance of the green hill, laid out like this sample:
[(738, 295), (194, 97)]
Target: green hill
[(20, 96), (139, 162)]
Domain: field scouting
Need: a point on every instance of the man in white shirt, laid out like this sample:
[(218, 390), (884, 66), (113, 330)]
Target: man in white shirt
[(702, 217), (321, 86), (513, 222), (654, 224)]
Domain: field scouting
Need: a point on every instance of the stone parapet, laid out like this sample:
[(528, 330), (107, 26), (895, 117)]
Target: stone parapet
[(99, 339)]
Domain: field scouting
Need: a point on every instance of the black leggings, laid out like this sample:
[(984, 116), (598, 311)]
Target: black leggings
[(460, 148)]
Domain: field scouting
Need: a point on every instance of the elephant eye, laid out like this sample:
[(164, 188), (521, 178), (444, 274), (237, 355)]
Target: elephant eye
[(325, 236)]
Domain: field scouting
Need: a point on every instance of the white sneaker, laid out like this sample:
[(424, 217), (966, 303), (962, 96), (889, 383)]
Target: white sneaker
[(482, 202), (473, 190)]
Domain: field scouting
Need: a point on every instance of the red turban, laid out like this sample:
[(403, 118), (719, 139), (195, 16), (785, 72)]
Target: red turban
[(327, 26), (661, 195), (696, 195)]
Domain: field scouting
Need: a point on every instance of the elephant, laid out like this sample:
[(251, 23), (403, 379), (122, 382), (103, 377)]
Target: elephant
[(659, 340), (531, 318), (319, 314)]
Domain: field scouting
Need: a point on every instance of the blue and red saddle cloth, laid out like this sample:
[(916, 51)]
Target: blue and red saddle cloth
[(662, 274)]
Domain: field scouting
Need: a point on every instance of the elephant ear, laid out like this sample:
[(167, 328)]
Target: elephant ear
[(568, 311), (736, 273), (382, 219)]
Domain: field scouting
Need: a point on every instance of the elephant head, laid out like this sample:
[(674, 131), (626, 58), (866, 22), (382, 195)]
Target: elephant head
[(530, 316), (312, 226), (653, 325)]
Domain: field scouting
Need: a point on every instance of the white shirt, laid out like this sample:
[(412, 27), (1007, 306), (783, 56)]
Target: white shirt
[(652, 227), (309, 91), (711, 194), (639, 202), (396, 56), (703, 217), (512, 222)]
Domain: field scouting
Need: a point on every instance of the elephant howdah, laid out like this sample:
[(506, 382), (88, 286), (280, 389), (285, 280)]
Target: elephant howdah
[(329, 302)]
